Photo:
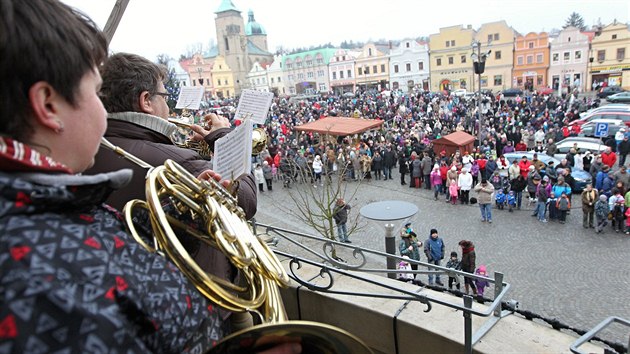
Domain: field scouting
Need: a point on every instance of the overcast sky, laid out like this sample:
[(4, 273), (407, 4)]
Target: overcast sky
[(152, 27)]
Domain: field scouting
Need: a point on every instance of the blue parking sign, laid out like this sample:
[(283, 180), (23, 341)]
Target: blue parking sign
[(601, 130)]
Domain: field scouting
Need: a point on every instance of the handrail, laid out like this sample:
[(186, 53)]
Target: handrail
[(593, 332)]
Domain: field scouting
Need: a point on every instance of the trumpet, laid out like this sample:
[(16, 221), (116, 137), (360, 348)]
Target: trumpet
[(178, 204), (259, 140)]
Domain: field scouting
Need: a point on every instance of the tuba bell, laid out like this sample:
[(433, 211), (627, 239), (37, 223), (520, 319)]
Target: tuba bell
[(178, 204)]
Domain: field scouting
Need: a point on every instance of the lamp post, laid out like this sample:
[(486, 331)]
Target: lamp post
[(365, 68), (479, 65), (590, 68)]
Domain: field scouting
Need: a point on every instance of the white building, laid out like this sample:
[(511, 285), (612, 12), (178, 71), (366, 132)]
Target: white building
[(180, 74), (409, 65), (274, 76), (569, 60), (257, 77), (341, 71)]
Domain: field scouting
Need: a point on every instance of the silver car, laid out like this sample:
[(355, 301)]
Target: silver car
[(581, 144)]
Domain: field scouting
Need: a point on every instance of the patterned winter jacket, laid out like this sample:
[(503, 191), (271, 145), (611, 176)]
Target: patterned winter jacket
[(73, 281)]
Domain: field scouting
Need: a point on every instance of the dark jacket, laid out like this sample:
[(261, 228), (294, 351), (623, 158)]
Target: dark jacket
[(468, 258), (155, 148), (75, 268), (340, 213)]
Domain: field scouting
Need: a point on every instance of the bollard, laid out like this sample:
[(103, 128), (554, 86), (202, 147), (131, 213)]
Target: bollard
[(390, 248)]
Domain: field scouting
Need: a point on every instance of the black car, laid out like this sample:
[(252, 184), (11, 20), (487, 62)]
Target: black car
[(512, 92), (610, 90)]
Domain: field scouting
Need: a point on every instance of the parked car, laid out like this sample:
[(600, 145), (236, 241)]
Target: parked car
[(459, 92), (614, 125), (544, 91), (604, 114), (512, 92), (581, 144), (609, 90), (582, 178), (612, 107), (623, 97)]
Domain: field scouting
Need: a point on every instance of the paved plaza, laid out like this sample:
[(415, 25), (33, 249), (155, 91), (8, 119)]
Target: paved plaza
[(557, 271)]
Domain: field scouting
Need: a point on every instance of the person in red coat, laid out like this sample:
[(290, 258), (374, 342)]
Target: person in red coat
[(523, 165), (609, 157), (521, 146)]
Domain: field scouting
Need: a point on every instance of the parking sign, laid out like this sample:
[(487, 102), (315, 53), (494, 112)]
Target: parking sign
[(601, 130)]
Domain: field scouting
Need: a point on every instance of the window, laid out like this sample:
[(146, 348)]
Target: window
[(530, 45), (621, 53), (614, 36), (291, 77), (322, 87), (289, 66), (396, 69), (301, 76), (279, 79), (452, 43), (438, 61), (310, 75), (497, 55), (463, 58), (334, 75), (498, 80), (566, 56), (421, 66), (349, 73), (226, 82), (578, 55), (320, 73), (366, 70), (292, 90), (490, 37), (539, 58), (496, 36), (530, 59), (555, 57), (519, 60), (360, 71), (374, 69), (408, 66), (539, 80), (369, 52), (309, 63), (320, 61), (450, 60), (601, 55), (340, 74), (299, 64), (272, 80), (448, 43), (257, 81), (382, 68), (407, 44)]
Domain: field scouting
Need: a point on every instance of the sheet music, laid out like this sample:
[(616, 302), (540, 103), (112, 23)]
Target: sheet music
[(189, 97), (254, 103), (232, 153)]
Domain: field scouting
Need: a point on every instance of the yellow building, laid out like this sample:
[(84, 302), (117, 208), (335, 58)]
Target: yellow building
[(451, 65), (611, 63), (372, 67), (499, 38), (223, 78)]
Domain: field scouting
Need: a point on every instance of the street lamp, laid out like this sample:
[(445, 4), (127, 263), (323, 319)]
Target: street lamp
[(479, 65)]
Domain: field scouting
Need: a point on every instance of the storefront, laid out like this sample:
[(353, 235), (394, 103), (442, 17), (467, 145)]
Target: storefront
[(529, 80), (612, 75)]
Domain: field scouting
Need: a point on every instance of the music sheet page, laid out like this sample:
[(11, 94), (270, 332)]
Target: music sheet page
[(232, 153), (254, 104)]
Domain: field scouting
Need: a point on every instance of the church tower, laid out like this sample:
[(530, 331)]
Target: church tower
[(255, 32), (232, 42)]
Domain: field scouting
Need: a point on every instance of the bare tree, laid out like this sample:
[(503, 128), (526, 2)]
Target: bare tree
[(315, 205)]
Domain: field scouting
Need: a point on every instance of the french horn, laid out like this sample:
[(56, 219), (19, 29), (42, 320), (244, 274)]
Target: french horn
[(178, 203)]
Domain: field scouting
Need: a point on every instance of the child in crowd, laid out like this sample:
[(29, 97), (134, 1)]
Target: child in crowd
[(511, 201), (616, 205), (260, 177), (481, 283), (453, 263), (404, 267), (553, 209), (452, 190), (564, 205), (601, 213), (500, 198)]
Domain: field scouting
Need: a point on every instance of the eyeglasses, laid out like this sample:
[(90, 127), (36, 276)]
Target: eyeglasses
[(165, 95)]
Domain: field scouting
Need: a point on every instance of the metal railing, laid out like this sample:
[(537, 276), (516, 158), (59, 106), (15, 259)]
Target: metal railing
[(593, 332), (303, 248)]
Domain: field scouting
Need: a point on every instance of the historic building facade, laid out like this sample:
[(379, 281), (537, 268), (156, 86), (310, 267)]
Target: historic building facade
[(409, 65), (569, 58), (451, 65), (306, 73), (497, 37), (611, 63), (275, 76), (372, 67), (531, 61), (341, 71), (257, 78)]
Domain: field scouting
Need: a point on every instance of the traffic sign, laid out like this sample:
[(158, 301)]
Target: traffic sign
[(601, 130)]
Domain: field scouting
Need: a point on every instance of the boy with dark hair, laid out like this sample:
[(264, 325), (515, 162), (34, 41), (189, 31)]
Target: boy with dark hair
[(455, 264)]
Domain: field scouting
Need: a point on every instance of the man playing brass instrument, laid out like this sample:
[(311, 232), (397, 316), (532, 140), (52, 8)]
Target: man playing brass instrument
[(134, 96)]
